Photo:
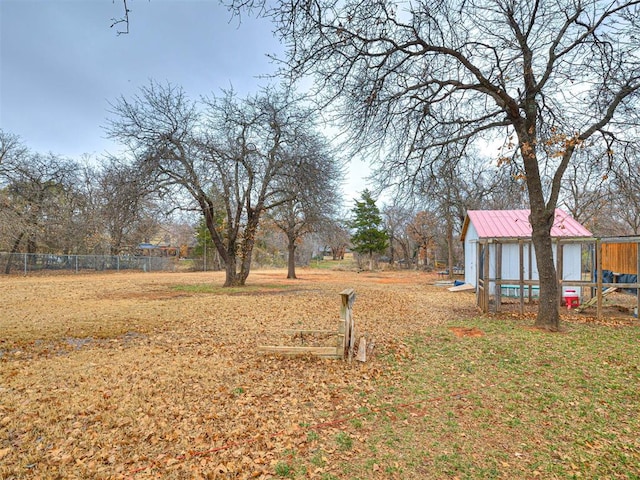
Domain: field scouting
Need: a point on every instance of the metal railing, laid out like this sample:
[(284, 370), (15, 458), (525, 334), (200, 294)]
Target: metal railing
[(38, 262)]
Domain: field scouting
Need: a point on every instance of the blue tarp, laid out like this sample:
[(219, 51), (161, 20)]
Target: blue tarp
[(608, 277)]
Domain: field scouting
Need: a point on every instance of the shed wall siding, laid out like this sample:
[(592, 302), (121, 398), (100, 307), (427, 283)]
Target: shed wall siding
[(470, 254)]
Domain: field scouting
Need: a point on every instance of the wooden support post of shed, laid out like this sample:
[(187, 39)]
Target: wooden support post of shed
[(498, 276), (593, 268), (530, 275), (599, 277), (346, 331), (521, 255), (479, 278), (480, 281), (638, 280), (485, 273)]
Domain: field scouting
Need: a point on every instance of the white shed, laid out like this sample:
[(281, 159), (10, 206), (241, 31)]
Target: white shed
[(504, 231)]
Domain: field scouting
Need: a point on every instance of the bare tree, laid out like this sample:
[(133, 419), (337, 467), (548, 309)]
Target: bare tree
[(625, 192), (11, 150), (223, 153), (423, 229), (397, 217), (586, 191), (11, 146), (309, 192), (334, 234), (126, 207), (412, 78), (38, 200), (44, 206)]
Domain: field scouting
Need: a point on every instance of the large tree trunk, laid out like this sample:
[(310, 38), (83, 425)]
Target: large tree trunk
[(116, 242), (232, 278), (291, 261), (227, 252), (541, 221), (246, 246), (541, 218), (245, 268)]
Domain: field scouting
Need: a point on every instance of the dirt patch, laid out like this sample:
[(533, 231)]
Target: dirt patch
[(466, 332)]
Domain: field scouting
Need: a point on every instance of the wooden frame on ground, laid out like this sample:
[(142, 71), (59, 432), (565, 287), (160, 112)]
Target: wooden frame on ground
[(345, 335)]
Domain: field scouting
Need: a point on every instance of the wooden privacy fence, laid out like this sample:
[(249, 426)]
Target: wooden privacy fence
[(620, 257), (344, 337)]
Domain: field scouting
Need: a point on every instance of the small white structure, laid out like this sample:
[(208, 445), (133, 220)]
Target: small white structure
[(507, 236)]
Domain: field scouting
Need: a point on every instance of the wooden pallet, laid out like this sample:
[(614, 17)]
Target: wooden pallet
[(345, 336)]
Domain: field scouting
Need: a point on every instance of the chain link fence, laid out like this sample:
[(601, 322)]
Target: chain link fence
[(26, 263)]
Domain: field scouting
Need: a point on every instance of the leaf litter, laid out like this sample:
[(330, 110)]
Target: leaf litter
[(116, 376), (109, 376)]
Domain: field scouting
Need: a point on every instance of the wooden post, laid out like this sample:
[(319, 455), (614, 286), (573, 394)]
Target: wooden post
[(487, 283), (638, 280), (599, 277), (346, 331), (479, 280), (498, 276), (362, 350), (521, 255), (530, 266)]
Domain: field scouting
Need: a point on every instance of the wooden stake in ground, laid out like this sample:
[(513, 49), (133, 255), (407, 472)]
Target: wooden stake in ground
[(348, 297), (362, 350)]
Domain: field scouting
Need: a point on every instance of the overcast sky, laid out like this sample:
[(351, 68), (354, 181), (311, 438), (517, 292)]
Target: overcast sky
[(61, 64)]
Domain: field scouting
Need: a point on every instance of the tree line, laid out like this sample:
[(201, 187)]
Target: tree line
[(423, 230), (236, 163), (52, 204), (49, 203)]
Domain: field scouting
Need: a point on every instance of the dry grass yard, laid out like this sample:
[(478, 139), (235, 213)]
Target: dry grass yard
[(140, 376)]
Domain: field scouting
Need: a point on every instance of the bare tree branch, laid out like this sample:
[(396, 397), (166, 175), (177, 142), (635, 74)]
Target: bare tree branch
[(122, 21)]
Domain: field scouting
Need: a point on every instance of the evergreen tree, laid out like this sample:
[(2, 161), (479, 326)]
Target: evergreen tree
[(370, 237)]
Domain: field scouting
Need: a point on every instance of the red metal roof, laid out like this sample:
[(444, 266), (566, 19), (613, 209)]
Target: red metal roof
[(515, 223)]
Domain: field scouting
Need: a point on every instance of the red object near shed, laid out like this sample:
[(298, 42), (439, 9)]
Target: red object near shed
[(571, 299)]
